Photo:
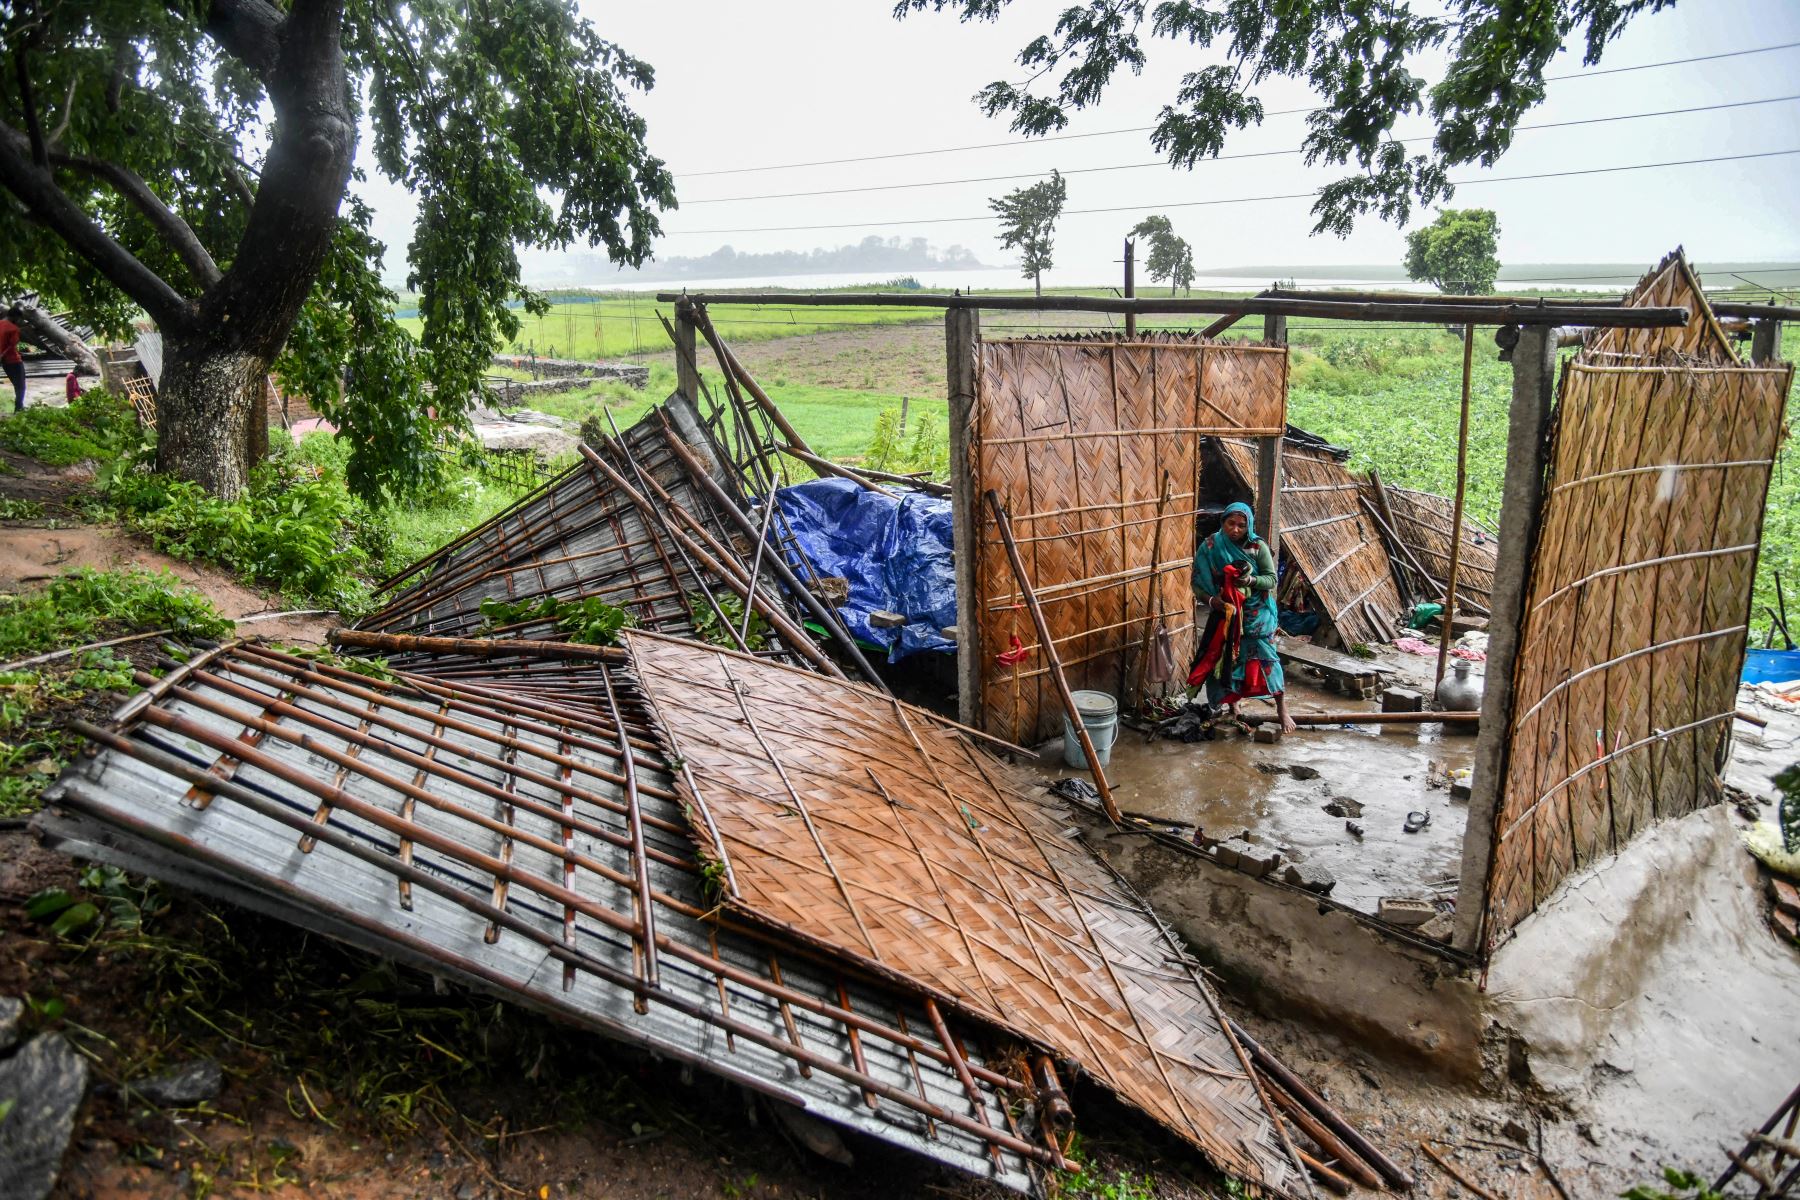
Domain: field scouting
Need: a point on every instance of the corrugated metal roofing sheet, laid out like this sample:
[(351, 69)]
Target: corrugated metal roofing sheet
[(511, 841)]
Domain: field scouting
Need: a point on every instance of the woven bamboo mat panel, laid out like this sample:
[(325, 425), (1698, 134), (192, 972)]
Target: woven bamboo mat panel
[(1638, 607), (1328, 536), (581, 535), (1672, 282), (877, 830), (1424, 523), (1082, 438), (536, 849)]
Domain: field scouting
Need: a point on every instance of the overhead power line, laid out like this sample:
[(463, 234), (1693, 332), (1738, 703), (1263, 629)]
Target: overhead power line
[(894, 187), (1075, 212), (1282, 112)]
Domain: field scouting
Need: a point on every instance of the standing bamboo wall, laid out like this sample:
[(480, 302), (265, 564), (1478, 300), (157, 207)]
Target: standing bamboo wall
[(1634, 628), (1083, 439)]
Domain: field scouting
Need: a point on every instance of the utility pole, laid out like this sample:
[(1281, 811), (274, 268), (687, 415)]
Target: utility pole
[(1130, 287)]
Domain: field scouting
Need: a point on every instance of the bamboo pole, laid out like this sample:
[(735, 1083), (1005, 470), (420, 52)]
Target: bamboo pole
[(1456, 519), (406, 643), (1055, 664)]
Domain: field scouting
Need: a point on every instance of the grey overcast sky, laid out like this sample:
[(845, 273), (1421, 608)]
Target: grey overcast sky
[(741, 85)]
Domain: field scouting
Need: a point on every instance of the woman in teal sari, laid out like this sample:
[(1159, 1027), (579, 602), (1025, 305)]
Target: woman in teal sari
[(1234, 581)]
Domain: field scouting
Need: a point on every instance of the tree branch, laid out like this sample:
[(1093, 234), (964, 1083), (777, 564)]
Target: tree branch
[(40, 155), (168, 223), (248, 30), (62, 125), (37, 190), (294, 216)]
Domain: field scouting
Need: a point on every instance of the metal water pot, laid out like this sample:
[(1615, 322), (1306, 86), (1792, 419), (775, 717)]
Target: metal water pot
[(1458, 692)]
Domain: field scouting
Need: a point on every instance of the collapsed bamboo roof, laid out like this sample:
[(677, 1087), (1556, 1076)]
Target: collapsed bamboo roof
[(871, 827), (1423, 524)]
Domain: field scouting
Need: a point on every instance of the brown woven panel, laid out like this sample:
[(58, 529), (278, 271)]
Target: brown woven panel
[(873, 828), (1672, 282), (1328, 536), (1424, 523), (1641, 584), (1086, 441)]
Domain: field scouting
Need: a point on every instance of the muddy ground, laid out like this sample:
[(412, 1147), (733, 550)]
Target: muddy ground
[(346, 1078)]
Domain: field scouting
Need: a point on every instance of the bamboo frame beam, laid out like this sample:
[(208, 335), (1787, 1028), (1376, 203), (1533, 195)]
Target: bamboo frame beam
[(1432, 310)]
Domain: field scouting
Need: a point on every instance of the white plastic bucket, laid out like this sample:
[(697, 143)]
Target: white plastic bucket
[(1100, 714)]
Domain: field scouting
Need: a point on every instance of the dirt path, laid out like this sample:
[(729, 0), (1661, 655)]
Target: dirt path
[(34, 551)]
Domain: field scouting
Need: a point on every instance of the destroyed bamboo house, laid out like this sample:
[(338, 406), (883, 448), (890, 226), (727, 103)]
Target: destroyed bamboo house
[(720, 837)]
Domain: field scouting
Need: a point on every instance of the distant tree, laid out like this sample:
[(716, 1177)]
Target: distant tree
[(1170, 258), (1356, 54), (190, 159), (1027, 221), (1457, 253)]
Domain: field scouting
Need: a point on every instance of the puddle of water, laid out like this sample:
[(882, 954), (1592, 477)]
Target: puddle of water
[(1233, 784)]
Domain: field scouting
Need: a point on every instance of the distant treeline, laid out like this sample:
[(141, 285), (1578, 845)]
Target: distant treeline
[(870, 254)]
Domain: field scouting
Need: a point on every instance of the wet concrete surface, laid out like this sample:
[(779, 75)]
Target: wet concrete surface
[(1278, 793)]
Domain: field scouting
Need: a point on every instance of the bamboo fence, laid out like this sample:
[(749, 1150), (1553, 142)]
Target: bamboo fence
[(1637, 614), (1328, 537), (1079, 437), (873, 828)]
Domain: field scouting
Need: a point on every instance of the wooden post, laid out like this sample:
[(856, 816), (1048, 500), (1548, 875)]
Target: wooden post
[(1052, 661), (1268, 463), (1456, 519), (1522, 500), (687, 365), (1765, 342), (962, 337), (1130, 287)]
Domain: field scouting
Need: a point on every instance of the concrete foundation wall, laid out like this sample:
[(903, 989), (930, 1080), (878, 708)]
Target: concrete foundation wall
[(1275, 949)]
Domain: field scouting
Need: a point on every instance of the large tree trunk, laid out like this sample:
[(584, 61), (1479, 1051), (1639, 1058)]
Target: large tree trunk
[(206, 414)]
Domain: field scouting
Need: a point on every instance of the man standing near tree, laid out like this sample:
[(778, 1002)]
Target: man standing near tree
[(10, 359)]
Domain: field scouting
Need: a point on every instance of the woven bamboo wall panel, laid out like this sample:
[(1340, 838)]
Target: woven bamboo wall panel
[(1328, 536), (1423, 522), (859, 822), (1635, 625), (1671, 283), (1086, 441)]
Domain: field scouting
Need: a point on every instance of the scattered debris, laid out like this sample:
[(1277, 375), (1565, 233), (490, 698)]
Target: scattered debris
[(1416, 820), (1303, 773), (1405, 911), (187, 1084), (44, 1083), (1312, 878), (1344, 806), (1397, 699), (1354, 830)]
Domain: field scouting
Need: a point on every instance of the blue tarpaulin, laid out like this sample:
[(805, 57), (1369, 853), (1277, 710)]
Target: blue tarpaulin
[(1771, 666), (895, 553)]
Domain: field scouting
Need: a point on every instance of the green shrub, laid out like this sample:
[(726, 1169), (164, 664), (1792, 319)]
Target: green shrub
[(295, 527), (98, 426), (89, 606)]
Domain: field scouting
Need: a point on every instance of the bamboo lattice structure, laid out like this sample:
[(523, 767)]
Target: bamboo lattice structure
[(871, 827), (1076, 435), (1641, 583), (1422, 522), (632, 525)]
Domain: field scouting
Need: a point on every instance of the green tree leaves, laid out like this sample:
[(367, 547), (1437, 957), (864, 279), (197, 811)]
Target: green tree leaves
[(1458, 253), (1356, 54)]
